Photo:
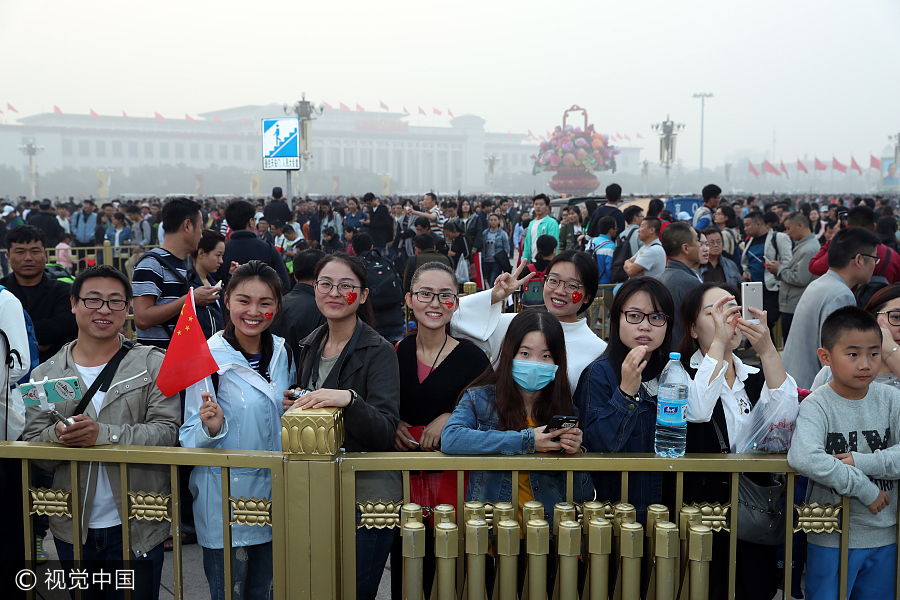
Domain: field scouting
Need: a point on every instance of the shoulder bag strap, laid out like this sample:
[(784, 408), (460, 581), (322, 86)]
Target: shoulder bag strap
[(105, 377), (719, 435)]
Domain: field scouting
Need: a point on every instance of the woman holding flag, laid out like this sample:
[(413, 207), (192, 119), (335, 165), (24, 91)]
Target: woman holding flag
[(240, 408)]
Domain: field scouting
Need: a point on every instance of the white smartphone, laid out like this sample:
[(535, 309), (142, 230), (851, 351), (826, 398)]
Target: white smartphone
[(751, 297)]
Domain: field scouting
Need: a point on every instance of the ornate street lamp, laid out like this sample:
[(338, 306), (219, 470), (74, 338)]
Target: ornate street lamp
[(492, 162), (31, 150), (307, 113), (668, 131)]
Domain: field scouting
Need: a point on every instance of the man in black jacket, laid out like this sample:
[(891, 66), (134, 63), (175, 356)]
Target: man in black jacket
[(380, 223), (45, 299), (299, 316), (276, 210), (244, 246), (45, 220)]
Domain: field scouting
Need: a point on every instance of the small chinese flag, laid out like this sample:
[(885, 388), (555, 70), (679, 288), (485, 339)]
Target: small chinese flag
[(855, 165), (753, 169), (404, 110), (124, 114), (159, 117), (328, 106), (218, 120), (344, 106), (783, 170), (188, 359), (874, 163), (801, 167), (360, 108), (383, 105), (189, 118), (436, 111), (819, 165), (10, 107), (94, 115), (639, 136), (837, 166), (422, 111), (770, 168), (57, 110), (450, 112)]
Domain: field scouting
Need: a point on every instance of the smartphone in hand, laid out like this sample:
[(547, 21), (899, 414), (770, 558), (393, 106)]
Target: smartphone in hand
[(560, 422), (751, 297)]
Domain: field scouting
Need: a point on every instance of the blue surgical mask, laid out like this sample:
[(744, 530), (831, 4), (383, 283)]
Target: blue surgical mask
[(532, 375)]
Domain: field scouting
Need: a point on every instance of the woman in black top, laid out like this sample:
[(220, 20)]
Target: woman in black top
[(207, 259), (460, 244)]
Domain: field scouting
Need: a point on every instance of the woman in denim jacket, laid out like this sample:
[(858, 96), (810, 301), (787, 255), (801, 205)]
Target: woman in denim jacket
[(617, 392), (506, 410)]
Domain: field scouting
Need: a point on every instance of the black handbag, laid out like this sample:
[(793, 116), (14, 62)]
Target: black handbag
[(760, 510)]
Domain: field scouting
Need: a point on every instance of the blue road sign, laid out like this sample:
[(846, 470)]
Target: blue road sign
[(281, 143)]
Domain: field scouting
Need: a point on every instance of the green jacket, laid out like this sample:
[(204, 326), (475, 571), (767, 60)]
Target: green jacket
[(546, 226)]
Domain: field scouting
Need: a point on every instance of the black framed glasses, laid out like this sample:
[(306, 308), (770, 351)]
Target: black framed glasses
[(324, 287), (570, 286), (636, 317), (875, 258), (97, 303), (893, 316), (426, 297)]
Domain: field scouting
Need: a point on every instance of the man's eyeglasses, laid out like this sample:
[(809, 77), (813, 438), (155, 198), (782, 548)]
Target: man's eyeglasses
[(636, 317), (893, 316), (570, 286), (96, 303), (715, 243), (875, 258), (426, 297), (324, 287)]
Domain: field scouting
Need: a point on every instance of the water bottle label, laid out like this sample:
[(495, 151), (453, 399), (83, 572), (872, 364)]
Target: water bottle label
[(671, 413)]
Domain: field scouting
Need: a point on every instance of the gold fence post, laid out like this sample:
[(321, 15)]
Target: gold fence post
[(444, 513), (107, 253), (477, 531), (507, 540), (599, 548), (591, 509), (631, 539), (537, 545), (689, 515), (625, 513), (700, 554), (656, 513), (568, 544), (446, 551), (413, 559), (667, 539)]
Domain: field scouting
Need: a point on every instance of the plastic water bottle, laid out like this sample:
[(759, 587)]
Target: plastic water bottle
[(671, 409)]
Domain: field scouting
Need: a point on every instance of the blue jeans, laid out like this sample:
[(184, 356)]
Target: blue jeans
[(870, 572), (251, 572), (491, 271), (104, 548), (373, 546)]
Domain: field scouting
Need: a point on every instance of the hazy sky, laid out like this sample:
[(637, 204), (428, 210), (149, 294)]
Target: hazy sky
[(823, 74)]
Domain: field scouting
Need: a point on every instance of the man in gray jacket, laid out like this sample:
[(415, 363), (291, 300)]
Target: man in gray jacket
[(682, 246), (794, 274), (128, 410)]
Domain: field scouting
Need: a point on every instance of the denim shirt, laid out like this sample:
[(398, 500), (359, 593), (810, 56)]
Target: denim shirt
[(472, 429), (613, 423)]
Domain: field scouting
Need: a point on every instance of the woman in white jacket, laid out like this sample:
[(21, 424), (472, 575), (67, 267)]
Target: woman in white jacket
[(244, 412)]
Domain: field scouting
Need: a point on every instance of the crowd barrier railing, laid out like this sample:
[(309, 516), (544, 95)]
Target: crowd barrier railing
[(313, 514)]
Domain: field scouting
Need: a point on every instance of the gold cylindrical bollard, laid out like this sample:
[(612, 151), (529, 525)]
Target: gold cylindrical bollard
[(507, 538), (631, 542), (444, 513), (667, 538), (413, 559), (625, 513), (689, 515), (537, 545), (477, 532), (410, 512), (563, 511), (568, 543), (591, 510), (503, 511), (532, 511), (599, 547), (446, 551), (469, 288), (473, 510), (700, 554)]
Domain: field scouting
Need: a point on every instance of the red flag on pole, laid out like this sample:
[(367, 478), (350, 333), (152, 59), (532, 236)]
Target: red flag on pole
[(246, 121), (10, 107), (640, 136), (189, 118), (124, 114), (344, 107), (874, 163), (450, 112), (801, 167), (618, 136), (360, 108), (625, 135), (770, 168), (1, 112), (422, 111), (217, 119), (783, 170), (383, 105), (188, 359), (838, 166), (820, 166), (94, 115), (855, 165), (532, 135), (160, 118), (437, 112), (753, 169), (328, 106), (406, 111), (57, 110)]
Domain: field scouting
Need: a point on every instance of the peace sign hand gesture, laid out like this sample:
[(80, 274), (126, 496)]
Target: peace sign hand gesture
[(507, 283)]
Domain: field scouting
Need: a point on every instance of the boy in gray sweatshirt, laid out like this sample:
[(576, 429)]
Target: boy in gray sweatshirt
[(843, 442)]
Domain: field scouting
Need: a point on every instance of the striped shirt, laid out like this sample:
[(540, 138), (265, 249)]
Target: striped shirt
[(438, 225), (152, 278)]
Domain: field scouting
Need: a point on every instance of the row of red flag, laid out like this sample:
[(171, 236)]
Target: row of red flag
[(617, 136), (156, 115), (383, 106), (768, 167)]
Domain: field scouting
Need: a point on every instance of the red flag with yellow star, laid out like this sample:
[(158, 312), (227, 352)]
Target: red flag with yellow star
[(188, 359)]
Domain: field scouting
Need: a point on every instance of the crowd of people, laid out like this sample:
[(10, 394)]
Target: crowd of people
[(316, 299)]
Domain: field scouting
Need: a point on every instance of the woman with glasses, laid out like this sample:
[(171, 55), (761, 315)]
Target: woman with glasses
[(616, 394), (346, 364), (723, 392), (884, 305), (570, 284)]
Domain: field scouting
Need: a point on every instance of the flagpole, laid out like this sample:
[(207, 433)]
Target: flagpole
[(832, 175)]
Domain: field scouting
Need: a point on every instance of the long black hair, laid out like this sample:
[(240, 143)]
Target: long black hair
[(662, 302), (255, 269), (587, 272), (364, 311), (691, 305)]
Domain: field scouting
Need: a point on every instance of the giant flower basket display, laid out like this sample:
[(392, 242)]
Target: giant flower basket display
[(575, 153)]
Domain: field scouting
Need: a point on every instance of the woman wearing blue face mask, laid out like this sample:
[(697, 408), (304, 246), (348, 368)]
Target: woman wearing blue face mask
[(506, 410)]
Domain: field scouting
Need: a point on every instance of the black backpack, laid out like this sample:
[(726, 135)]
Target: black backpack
[(620, 255), (865, 291), (385, 287)]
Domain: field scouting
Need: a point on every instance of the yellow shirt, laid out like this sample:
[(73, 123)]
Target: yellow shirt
[(525, 493)]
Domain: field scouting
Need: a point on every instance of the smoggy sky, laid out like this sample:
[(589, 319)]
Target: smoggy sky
[(823, 74)]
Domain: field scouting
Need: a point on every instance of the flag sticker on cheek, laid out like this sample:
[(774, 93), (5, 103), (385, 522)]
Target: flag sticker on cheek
[(269, 316), (576, 297), (351, 297), (449, 303)]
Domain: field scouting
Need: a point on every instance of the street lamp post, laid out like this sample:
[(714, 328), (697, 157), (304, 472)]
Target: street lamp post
[(492, 162), (668, 131), (645, 173), (703, 96), (307, 113), (896, 139), (31, 150)]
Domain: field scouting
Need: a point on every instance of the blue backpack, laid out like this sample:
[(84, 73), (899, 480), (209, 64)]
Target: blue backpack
[(32, 346)]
